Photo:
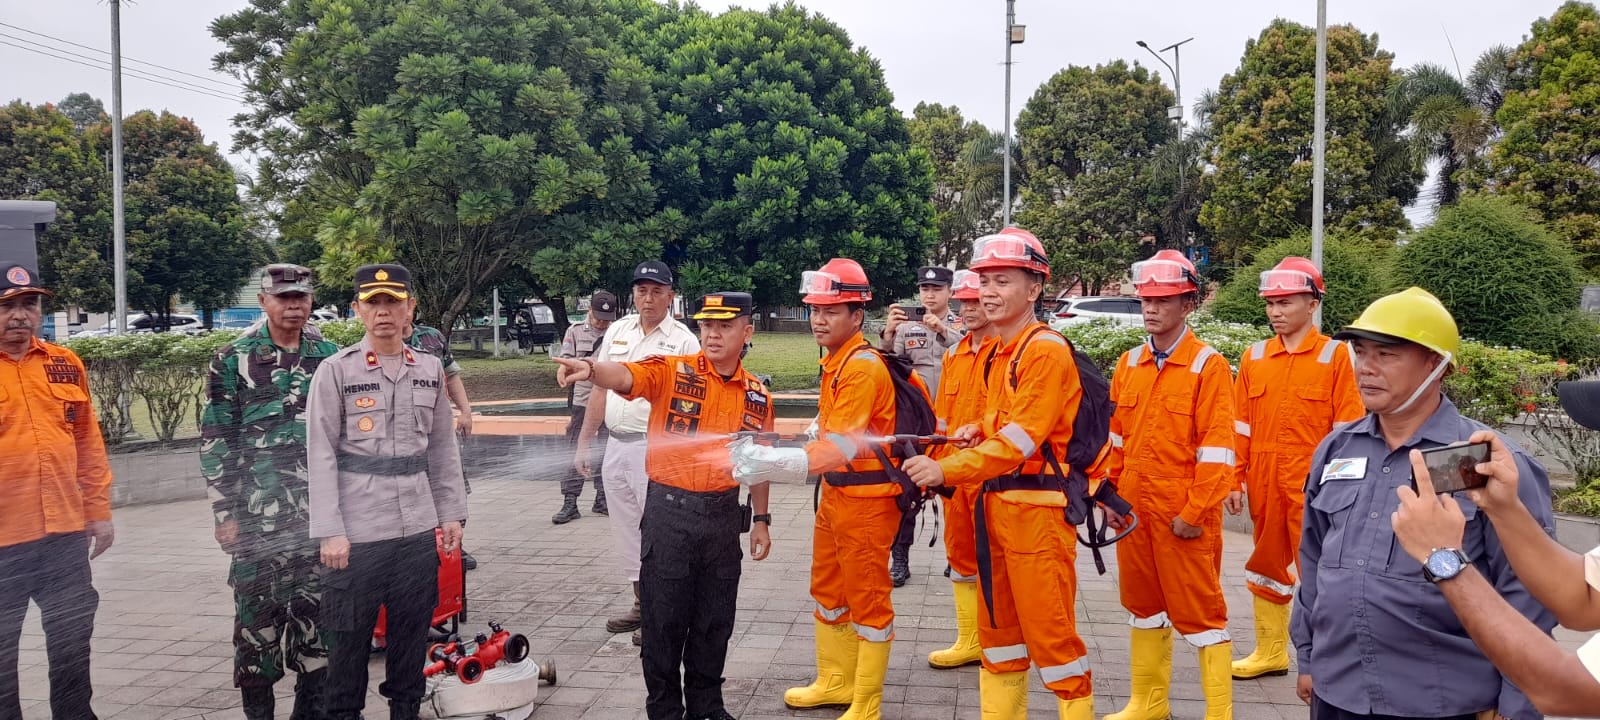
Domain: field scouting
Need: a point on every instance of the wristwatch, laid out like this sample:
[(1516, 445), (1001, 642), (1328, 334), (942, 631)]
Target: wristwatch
[(1443, 564), (762, 518)]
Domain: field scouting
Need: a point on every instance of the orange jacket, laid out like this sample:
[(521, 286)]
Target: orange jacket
[(57, 475), (963, 391), (692, 411), (1173, 427), (857, 401), (1017, 422), (1287, 401)]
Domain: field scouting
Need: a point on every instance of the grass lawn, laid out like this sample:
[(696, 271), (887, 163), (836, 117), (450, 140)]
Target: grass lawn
[(790, 358)]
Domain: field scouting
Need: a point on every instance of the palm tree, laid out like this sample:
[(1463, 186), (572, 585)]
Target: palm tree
[(1452, 119)]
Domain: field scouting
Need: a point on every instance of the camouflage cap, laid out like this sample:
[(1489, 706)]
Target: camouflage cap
[(280, 278)]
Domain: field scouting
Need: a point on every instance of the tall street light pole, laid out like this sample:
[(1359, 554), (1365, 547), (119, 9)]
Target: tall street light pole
[(1176, 112), (1015, 34), (1319, 143), (119, 235)]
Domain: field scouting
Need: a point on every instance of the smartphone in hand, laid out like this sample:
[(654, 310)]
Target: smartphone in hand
[(914, 312), (1454, 467)]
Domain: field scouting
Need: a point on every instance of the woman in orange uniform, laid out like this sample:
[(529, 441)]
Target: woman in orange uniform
[(858, 515), (1013, 455)]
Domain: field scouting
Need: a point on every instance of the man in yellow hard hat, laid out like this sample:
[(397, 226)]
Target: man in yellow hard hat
[(1373, 634)]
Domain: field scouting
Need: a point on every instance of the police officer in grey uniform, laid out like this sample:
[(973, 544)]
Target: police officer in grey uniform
[(384, 472), (581, 341), (922, 341)]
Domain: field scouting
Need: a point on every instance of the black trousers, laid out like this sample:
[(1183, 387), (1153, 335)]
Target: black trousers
[(572, 483), (1321, 710), (688, 590), (52, 572), (402, 575)]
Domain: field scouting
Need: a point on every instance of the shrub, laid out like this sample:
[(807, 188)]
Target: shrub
[(1579, 501), (1494, 385), (162, 369), (1506, 280), (343, 333), (1355, 273), (1104, 341)]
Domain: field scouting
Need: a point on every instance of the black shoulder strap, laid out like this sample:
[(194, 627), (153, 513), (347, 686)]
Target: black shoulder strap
[(1017, 358)]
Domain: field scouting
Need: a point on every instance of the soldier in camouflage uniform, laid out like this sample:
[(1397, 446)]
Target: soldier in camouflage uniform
[(253, 458), (433, 342)]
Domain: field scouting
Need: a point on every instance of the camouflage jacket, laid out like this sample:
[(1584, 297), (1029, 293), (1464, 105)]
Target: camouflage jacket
[(432, 342), (253, 438)]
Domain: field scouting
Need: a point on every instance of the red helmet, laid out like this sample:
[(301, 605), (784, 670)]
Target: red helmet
[(964, 285), (1011, 247), (1293, 276), (1167, 273), (841, 280)]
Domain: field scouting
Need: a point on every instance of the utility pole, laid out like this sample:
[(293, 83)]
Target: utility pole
[(119, 234), (1319, 143), (1015, 34), (1175, 112)]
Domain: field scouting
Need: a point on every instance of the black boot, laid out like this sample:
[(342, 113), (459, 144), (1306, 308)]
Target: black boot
[(599, 507), (257, 702), (468, 562), (404, 710), (628, 621), (569, 511), (900, 564), (308, 703)]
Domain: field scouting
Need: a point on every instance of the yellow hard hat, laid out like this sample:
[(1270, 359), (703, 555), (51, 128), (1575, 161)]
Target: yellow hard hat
[(1413, 315)]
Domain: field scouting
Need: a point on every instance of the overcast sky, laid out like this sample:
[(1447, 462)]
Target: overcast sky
[(948, 51)]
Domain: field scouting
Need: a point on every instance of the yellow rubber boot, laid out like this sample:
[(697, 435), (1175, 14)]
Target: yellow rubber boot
[(872, 665), (1216, 682), (965, 651), (1271, 656), (836, 670), (1150, 655), (1076, 708), (1003, 696)]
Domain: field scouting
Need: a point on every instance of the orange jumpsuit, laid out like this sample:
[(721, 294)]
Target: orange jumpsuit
[(1172, 455), (1031, 617), (855, 524), (962, 396), (1287, 401)]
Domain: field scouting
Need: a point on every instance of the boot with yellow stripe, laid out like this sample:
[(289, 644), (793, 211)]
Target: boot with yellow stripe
[(1271, 656), (836, 670), (965, 651), (1003, 696), (872, 666), (1150, 658)]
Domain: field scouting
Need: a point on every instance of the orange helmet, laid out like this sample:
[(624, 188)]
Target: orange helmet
[(964, 285), (1011, 247), (841, 280), (1167, 273), (1293, 276)]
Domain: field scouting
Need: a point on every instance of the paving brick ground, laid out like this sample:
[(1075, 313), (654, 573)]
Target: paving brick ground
[(161, 640)]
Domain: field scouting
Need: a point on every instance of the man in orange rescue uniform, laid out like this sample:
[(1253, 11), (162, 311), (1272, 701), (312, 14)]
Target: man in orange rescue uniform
[(689, 567), (1291, 392), (1014, 456), (1172, 457), (962, 393), (858, 515)]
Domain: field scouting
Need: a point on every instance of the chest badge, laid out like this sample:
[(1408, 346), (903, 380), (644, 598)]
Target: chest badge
[(1344, 469), (365, 424), (365, 402)]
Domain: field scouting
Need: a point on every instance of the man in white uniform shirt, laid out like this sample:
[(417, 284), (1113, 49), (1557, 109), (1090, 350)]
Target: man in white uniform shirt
[(650, 330)]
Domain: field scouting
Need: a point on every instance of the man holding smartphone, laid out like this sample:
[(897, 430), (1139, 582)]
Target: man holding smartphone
[(1374, 637), (1558, 682), (923, 340)]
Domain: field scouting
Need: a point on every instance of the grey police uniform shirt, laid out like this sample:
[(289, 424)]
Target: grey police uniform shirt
[(1374, 635), (356, 408), (581, 341), (924, 348)]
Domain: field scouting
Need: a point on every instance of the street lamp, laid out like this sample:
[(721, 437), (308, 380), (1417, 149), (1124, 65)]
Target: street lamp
[(1015, 34), (1176, 113)]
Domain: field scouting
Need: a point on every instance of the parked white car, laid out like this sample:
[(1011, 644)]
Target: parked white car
[(1080, 310), (142, 323)]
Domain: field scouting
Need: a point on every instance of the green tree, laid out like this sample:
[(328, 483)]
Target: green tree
[(1262, 126), (83, 109), (1452, 119), (947, 137), (43, 157), (780, 147), (1355, 272), (1505, 278), (1551, 121), (1088, 138), (475, 134)]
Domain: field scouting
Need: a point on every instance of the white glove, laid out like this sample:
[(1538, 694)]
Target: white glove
[(814, 428), (756, 464)]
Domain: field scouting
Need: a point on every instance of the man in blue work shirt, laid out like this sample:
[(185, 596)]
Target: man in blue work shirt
[(1375, 638)]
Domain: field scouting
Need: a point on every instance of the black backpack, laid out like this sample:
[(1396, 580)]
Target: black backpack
[(913, 415), (1092, 427)]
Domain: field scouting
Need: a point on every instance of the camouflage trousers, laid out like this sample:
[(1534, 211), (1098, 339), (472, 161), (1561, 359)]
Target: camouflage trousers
[(277, 598)]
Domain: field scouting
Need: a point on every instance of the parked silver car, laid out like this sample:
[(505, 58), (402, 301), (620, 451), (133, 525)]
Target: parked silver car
[(1080, 310)]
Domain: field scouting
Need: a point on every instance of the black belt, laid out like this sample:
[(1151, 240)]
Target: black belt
[(851, 479), (1006, 483), (704, 503), (626, 436), (382, 465)]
